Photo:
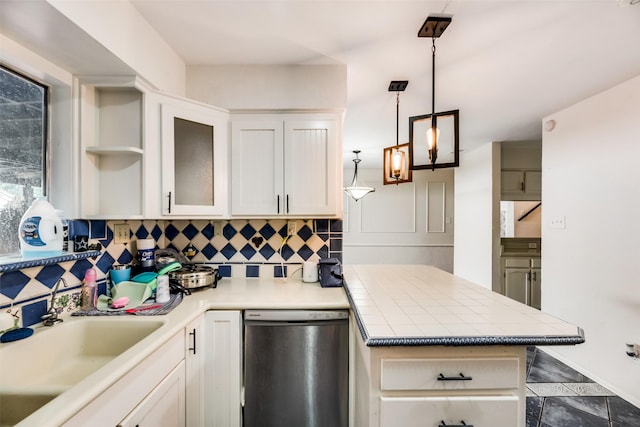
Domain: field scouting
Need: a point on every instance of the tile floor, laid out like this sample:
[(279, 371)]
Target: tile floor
[(559, 396)]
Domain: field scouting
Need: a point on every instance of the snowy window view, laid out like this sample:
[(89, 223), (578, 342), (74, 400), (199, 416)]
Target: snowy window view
[(23, 136)]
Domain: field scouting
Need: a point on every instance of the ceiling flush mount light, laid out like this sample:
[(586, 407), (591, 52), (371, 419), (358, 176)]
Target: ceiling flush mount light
[(396, 158), (354, 190), (437, 131)]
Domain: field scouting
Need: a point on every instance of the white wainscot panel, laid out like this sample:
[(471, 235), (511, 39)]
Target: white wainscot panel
[(390, 209), (435, 207)]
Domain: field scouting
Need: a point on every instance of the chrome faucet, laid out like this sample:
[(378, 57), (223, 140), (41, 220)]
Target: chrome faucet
[(51, 317)]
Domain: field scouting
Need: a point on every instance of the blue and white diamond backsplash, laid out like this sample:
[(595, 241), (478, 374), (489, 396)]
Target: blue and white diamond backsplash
[(238, 248)]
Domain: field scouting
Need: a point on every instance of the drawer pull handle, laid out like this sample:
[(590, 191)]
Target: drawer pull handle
[(462, 424), (462, 377)]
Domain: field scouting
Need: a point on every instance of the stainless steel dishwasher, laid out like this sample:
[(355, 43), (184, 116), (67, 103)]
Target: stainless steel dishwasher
[(296, 365)]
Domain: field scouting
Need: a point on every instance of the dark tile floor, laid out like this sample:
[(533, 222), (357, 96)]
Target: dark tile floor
[(559, 396)]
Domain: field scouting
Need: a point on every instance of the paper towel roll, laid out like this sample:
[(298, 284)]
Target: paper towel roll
[(310, 271)]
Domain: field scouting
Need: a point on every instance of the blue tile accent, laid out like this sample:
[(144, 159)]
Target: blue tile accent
[(156, 233), (190, 231), (49, 275), (12, 283), (171, 232), (305, 232), (247, 251), (125, 257), (79, 268), (253, 271), (228, 251), (228, 231), (20, 263), (97, 229), (286, 252), (267, 251), (106, 242), (335, 245), (209, 251), (105, 262), (336, 226), (141, 232), (323, 252), (224, 271), (278, 271), (305, 252), (283, 231), (248, 231), (78, 227), (32, 313), (322, 225), (208, 231), (267, 231)]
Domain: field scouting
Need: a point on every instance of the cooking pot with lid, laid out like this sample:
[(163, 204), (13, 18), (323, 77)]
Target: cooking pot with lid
[(193, 276)]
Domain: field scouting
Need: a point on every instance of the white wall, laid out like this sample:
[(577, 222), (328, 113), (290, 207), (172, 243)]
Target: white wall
[(477, 216), (269, 86), (591, 177), (411, 223), (120, 28)]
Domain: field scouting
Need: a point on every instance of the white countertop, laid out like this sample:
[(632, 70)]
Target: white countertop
[(230, 294), (422, 305)]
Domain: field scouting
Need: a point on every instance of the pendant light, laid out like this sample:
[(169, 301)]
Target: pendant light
[(354, 190), (433, 27), (395, 162)]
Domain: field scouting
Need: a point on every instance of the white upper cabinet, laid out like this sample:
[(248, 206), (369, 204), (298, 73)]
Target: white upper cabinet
[(286, 165), (194, 159)]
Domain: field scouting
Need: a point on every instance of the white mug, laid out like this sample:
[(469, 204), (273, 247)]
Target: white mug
[(310, 271)]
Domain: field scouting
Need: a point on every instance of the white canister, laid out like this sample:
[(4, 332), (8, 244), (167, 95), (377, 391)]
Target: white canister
[(162, 290), (310, 271)]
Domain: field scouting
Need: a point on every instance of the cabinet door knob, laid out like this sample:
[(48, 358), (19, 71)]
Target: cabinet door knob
[(462, 424), (169, 201), (278, 203)]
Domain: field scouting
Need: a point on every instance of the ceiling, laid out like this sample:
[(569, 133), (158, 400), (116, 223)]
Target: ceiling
[(504, 64)]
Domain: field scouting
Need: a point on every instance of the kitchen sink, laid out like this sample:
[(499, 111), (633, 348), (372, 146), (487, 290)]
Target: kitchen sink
[(16, 407), (35, 370)]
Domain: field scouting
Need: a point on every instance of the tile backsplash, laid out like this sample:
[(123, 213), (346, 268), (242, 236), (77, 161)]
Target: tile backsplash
[(238, 248)]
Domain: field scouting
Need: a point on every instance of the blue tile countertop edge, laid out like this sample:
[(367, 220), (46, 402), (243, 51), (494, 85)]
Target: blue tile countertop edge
[(14, 263), (460, 340)]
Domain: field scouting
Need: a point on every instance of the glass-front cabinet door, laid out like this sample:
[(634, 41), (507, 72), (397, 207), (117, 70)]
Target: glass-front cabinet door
[(194, 159)]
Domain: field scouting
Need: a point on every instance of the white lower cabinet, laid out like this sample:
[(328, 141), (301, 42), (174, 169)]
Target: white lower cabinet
[(522, 280), (439, 386), (164, 406), (476, 411), (194, 364), (223, 368), (152, 386)]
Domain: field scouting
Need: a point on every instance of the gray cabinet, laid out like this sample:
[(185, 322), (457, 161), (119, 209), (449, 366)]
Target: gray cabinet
[(522, 279)]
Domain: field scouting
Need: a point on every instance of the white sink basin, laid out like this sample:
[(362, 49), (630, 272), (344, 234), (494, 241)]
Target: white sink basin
[(35, 370)]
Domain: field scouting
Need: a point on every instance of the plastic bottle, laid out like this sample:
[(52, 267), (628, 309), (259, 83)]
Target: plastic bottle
[(89, 290), (65, 230), (40, 231)]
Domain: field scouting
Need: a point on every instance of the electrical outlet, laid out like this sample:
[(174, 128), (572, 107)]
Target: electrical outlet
[(217, 228), (557, 222), (121, 233), (292, 228)]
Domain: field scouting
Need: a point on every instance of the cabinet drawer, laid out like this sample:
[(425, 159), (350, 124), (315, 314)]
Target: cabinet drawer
[(490, 411), (449, 374), (517, 262)]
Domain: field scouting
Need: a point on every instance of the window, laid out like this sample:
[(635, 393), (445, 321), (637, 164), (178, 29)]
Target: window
[(23, 151)]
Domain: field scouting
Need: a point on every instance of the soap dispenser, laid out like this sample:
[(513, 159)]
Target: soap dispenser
[(89, 290)]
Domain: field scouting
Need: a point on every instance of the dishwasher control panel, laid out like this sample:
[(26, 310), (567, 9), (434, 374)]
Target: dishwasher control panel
[(295, 315)]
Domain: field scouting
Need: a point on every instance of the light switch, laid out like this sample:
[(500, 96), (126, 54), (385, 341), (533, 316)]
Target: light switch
[(121, 233)]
